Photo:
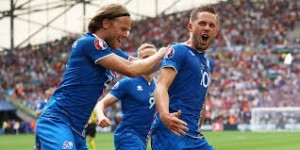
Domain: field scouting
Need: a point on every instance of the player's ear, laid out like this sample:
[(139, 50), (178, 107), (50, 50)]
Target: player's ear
[(216, 33), (105, 23), (190, 26)]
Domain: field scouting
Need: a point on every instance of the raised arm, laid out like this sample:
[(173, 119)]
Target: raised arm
[(161, 96), (132, 68), (103, 121)]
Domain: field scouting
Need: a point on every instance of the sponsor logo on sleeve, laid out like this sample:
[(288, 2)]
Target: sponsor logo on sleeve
[(170, 53), (99, 44)]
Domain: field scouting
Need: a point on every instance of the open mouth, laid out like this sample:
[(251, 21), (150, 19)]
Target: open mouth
[(204, 37)]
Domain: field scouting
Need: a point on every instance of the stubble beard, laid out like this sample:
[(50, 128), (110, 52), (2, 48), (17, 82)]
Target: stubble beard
[(197, 41)]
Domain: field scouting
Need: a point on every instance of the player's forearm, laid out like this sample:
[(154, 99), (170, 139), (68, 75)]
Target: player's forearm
[(162, 100), (103, 104), (100, 110), (203, 112), (145, 66)]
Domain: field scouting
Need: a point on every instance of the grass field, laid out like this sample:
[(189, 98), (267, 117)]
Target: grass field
[(220, 141)]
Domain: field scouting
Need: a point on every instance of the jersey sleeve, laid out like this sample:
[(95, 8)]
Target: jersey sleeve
[(119, 89), (122, 54), (174, 57), (96, 49)]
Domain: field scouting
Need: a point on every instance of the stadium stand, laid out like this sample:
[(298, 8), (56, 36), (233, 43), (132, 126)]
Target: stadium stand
[(248, 53)]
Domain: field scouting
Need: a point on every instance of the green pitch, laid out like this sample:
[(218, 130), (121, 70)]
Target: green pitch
[(220, 141)]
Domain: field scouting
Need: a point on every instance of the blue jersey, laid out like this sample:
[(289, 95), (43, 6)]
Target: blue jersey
[(188, 90), (138, 106), (82, 84)]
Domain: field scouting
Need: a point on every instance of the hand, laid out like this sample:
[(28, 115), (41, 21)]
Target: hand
[(103, 122), (162, 51), (173, 123)]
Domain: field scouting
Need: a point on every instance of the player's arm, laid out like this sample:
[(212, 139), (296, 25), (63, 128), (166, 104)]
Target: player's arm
[(132, 68), (131, 58), (161, 96), (203, 112), (103, 121)]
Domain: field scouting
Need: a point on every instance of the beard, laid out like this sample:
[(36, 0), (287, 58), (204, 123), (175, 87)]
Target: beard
[(112, 44), (199, 44)]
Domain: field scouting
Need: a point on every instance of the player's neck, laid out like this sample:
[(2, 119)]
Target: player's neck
[(190, 44), (99, 35), (148, 78)]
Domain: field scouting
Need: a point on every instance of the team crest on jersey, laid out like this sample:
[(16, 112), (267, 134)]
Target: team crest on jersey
[(67, 145), (99, 44), (170, 52)]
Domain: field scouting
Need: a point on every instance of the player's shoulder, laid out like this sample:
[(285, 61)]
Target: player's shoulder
[(123, 83), (211, 61), (125, 80), (83, 42), (178, 49), (90, 41), (177, 45), (86, 38)]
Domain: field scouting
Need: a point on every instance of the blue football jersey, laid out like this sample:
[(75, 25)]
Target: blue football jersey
[(188, 90), (138, 105), (83, 82)]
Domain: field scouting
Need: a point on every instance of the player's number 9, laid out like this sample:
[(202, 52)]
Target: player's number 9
[(151, 102)]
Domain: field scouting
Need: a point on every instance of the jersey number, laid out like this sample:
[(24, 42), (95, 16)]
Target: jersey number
[(151, 102), (205, 79)]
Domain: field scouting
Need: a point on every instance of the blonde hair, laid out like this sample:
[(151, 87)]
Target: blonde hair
[(144, 46), (110, 11)]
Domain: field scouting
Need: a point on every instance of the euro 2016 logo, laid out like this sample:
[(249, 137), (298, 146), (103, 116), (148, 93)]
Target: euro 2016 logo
[(99, 44), (170, 53)]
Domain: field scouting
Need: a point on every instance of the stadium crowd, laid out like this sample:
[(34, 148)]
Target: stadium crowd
[(249, 70)]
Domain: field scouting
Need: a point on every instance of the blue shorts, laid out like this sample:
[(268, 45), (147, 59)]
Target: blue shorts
[(163, 139), (53, 133), (129, 141)]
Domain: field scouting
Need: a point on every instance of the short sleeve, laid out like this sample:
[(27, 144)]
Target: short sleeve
[(122, 54), (174, 57), (119, 89), (96, 49)]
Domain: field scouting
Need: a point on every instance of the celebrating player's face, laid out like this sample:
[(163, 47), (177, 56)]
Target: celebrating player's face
[(203, 30), (119, 29)]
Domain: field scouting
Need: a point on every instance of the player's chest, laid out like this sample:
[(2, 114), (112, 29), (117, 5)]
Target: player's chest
[(142, 92), (198, 65)]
